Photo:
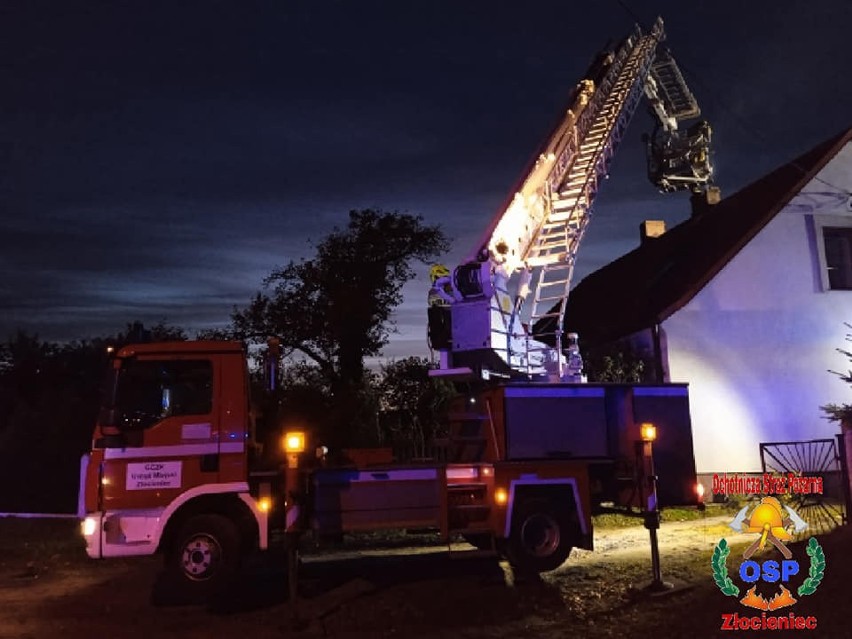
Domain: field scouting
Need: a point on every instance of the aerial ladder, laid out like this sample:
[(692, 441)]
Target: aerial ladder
[(481, 317)]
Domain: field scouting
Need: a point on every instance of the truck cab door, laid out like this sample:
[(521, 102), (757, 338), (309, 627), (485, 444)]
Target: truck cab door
[(167, 416)]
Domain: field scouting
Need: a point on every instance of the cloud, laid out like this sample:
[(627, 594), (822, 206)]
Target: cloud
[(159, 161)]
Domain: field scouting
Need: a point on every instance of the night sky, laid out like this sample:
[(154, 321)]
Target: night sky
[(157, 160)]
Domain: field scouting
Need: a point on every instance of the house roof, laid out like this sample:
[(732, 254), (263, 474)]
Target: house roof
[(658, 278)]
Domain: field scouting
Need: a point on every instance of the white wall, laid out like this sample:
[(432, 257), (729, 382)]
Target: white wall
[(756, 343)]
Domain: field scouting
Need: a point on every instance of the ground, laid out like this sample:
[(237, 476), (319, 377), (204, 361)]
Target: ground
[(49, 588)]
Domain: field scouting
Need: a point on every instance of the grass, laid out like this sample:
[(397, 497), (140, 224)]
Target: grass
[(618, 520), (42, 541)]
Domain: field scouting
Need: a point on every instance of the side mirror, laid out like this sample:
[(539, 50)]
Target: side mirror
[(108, 417)]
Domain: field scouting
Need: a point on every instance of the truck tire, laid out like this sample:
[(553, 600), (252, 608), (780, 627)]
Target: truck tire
[(204, 557), (542, 536)]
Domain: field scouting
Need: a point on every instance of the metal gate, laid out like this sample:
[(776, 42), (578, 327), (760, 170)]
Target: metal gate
[(813, 458)]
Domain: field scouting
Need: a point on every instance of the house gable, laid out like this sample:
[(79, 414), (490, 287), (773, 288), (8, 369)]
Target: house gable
[(757, 341)]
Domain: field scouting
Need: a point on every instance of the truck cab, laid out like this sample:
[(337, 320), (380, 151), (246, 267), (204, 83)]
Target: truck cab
[(170, 455)]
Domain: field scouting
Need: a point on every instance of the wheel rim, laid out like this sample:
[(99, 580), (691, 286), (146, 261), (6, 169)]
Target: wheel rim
[(540, 535), (200, 557)]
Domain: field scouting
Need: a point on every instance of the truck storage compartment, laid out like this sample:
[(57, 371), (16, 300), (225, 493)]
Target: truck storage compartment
[(555, 421), (351, 499), (564, 421)]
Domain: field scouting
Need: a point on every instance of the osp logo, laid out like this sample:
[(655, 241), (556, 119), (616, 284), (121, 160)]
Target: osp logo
[(769, 521)]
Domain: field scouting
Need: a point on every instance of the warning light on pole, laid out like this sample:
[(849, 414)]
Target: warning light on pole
[(294, 442), (648, 432)]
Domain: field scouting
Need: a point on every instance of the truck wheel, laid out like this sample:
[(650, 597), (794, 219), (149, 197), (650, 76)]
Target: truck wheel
[(542, 536), (204, 557)]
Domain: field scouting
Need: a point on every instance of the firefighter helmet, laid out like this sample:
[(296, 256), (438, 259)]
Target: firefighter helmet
[(437, 272)]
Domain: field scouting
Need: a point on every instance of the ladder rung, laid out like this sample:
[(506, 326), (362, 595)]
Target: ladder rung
[(552, 237), (563, 221), (538, 317), (549, 298), (563, 280), (551, 293), (545, 247), (555, 298), (545, 260), (563, 217), (569, 192)]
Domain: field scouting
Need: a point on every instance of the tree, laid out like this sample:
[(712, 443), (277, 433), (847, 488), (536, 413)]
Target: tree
[(135, 332), (841, 412), (615, 363), (336, 308), (300, 400), (22, 359), (49, 399), (413, 405)]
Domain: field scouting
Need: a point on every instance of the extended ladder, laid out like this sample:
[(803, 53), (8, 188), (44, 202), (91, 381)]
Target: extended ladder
[(570, 194)]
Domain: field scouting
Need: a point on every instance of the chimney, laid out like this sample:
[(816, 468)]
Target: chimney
[(650, 229), (703, 201)]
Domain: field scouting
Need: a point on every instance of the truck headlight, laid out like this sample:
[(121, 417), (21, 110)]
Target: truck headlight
[(88, 526)]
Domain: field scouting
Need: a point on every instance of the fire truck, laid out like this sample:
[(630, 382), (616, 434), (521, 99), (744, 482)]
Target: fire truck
[(531, 453)]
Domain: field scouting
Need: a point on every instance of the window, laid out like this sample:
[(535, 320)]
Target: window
[(149, 391), (832, 243), (838, 257)]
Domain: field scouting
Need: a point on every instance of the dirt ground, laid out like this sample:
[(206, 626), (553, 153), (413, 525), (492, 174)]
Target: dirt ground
[(48, 588)]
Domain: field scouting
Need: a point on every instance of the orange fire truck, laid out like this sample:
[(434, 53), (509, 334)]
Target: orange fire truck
[(530, 457)]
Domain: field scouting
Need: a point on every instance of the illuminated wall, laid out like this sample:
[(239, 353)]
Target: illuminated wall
[(756, 343)]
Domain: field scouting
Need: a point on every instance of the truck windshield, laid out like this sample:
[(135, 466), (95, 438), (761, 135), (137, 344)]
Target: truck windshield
[(147, 391)]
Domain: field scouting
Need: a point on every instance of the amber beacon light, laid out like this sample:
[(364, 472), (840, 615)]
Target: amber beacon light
[(648, 432), (294, 441)]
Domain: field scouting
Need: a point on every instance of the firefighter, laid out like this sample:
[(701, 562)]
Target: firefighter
[(441, 293)]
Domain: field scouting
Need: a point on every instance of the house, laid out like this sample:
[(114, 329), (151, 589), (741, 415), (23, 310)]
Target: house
[(746, 301)]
